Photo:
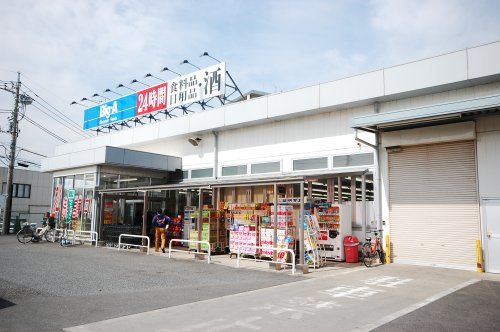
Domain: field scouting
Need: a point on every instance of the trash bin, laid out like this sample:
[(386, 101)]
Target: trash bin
[(351, 249)]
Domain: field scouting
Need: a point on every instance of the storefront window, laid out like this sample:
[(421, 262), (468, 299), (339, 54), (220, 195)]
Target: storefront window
[(202, 173), (89, 180), (88, 209), (79, 182), (108, 181), (126, 181), (68, 182)]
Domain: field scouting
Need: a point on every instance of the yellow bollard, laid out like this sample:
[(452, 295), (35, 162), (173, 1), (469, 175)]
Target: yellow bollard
[(479, 254), (387, 249)]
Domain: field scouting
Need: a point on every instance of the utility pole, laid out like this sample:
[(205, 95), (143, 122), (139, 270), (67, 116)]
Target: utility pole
[(14, 131)]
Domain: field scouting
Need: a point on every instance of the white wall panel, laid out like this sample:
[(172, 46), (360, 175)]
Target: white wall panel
[(246, 111), (426, 73), (145, 133), (101, 140), (206, 120), (173, 127), (295, 101), (355, 88), (484, 60), (123, 137), (488, 156)]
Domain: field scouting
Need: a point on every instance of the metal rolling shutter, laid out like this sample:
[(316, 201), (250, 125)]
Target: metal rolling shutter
[(434, 212)]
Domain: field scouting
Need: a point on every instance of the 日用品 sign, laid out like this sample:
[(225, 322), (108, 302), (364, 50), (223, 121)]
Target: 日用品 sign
[(201, 85)]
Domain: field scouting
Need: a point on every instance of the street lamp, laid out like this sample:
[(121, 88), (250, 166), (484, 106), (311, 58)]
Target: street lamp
[(136, 81), (109, 90), (86, 99), (123, 86), (189, 63), (211, 57), (98, 95), (76, 103), (167, 69), (151, 75)]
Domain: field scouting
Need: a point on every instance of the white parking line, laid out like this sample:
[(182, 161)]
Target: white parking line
[(407, 310)]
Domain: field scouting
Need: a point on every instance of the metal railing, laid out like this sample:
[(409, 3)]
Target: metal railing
[(190, 252), (292, 264), (86, 236), (131, 244)]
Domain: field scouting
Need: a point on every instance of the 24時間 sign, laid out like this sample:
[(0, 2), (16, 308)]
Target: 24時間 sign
[(203, 84)]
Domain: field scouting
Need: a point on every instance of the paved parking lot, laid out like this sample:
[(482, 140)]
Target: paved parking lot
[(349, 300), (46, 287)]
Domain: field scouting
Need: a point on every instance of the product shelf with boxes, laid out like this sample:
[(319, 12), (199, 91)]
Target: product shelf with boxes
[(213, 231)]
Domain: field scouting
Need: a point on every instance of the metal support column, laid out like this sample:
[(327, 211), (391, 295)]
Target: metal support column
[(145, 220), (200, 220), (275, 222), (363, 204), (300, 225), (353, 198), (309, 191), (339, 189)]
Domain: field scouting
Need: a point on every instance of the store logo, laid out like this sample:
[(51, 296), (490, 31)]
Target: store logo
[(106, 111)]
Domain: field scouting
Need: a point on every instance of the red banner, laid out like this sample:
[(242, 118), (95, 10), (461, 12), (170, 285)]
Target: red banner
[(57, 200), (78, 207), (152, 99)]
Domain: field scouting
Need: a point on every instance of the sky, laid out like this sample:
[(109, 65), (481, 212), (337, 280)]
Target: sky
[(70, 49)]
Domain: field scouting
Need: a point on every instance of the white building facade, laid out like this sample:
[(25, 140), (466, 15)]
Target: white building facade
[(31, 194), (413, 149)]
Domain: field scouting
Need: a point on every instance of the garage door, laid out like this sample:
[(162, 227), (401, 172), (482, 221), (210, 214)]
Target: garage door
[(434, 212)]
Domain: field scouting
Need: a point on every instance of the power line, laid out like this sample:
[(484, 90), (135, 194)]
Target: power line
[(59, 121), (36, 124), (22, 160), (43, 87), (59, 114)]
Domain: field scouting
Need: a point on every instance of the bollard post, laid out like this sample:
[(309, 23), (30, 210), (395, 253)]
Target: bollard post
[(387, 249)]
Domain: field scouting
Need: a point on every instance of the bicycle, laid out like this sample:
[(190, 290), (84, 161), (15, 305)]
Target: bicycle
[(64, 240), (373, 251), (27, 234)]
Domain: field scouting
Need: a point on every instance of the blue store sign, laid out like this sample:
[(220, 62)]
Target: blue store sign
[(110, 112)]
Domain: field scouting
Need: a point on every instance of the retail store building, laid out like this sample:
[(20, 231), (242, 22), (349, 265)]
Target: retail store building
[(413, 149)]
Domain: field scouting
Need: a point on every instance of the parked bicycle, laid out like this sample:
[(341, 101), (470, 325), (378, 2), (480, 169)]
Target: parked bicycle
[(373, 251), (64, 240), (27, 234)]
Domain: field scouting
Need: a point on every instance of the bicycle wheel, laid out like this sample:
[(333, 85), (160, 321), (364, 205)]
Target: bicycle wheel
[(367, 255), (381, 254), (50, 235), (25, 235)]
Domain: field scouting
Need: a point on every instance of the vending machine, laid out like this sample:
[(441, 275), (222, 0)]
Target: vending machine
[(334, 224)]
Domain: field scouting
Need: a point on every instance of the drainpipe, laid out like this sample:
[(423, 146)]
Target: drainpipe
[(216, 154)]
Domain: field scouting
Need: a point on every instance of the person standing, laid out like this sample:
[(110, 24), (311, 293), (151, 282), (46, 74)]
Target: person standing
[(160, 224)]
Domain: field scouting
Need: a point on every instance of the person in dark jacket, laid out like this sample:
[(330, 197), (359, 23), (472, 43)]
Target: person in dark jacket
[(160, 223)]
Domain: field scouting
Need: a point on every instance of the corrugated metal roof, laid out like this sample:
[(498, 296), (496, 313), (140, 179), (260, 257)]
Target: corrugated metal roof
[(415, 115)]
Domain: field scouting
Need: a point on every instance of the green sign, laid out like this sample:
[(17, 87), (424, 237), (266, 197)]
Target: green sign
[(71, 204)]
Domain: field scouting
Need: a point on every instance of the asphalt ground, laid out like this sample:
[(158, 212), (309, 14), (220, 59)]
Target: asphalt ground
[(475, 307), (45, 287), (357, 299)]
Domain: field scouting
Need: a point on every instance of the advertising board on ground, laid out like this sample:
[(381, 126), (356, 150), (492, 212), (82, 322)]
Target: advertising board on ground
[(201, 85)]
